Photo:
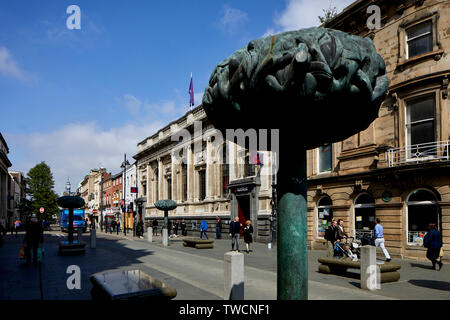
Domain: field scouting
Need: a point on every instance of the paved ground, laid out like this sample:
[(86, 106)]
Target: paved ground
[(196, 274)]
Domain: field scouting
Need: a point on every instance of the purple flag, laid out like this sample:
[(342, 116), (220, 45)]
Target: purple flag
[(191, 92)]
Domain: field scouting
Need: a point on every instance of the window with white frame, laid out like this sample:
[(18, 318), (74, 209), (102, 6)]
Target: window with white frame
[(420, 124), (325, 158), (419, 39)]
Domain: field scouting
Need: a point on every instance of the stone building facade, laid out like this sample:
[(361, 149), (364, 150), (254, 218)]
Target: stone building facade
[(398, 169), (4, 177), (184, 162)]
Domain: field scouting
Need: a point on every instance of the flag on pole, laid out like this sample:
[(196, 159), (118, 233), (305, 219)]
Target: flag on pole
[(191, 93)]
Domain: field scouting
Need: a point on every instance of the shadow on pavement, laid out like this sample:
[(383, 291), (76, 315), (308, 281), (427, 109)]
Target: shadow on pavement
[(432, 284), (418, 265)]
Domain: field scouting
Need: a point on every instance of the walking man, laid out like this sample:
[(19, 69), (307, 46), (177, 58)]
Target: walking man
[(218, 228), (33, 236), (235, 231), (379, 239), (183, 228), (433, 242), (203, 229)]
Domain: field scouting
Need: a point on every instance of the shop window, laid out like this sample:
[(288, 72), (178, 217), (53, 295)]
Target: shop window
[(419, 39), (364, 215), (325, 157), (325, 215), (422, 209)]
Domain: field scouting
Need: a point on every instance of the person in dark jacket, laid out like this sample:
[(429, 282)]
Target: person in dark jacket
[(33, 236), (155, 227), (175, 227), (218, 228), (248, 232), (235, 231), (433, 242), (331, 235), (183, 228)]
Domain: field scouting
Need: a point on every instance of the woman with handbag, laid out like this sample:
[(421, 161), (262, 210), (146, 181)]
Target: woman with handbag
[(433, 242)]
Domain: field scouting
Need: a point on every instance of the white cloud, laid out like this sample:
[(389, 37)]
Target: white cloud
[(300, 14), (9, 67), (232, 19), (74, 149), (132, 103)]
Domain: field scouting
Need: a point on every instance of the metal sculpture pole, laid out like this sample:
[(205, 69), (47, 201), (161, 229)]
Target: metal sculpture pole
[(288, 82)]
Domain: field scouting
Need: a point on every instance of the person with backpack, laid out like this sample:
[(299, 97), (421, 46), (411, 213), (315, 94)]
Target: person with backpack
[(331, 235)]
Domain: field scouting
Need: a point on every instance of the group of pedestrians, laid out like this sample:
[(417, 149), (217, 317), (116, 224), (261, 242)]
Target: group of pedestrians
[(432, 240)]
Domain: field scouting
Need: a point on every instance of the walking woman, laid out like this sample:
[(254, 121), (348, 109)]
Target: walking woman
[(248, 232), (433, 242)]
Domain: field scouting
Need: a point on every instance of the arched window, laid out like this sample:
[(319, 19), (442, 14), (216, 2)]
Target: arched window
[(422, 209), (364, 215), (325, 215)]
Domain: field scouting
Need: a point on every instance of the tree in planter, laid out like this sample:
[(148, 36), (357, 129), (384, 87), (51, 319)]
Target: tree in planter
[(40, 190)]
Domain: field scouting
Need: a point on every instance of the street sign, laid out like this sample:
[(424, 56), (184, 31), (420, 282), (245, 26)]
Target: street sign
[(94, 211), (133, 189), (41, 210)]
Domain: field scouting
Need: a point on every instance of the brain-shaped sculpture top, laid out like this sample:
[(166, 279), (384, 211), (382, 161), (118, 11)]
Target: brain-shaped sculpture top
[(294, 79), (70, 202), (165, 205)]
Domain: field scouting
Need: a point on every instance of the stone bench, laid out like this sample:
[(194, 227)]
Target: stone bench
[(198, 243), (129, 285), (388, 271)]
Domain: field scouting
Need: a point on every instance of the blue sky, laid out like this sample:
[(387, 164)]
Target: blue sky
[(78, 99)]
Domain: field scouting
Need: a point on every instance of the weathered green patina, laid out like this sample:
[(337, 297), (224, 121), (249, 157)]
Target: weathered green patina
[(293, 81), (166, 206)]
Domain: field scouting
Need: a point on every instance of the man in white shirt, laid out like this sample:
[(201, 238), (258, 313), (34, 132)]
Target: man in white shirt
[(379, 239)]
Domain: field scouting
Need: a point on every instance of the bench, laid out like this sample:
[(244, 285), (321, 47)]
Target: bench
[(198, 243), (129, 285), (388, 271)]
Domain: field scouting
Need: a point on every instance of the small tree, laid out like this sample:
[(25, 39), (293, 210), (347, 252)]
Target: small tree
[(40, 189), (329, 14)]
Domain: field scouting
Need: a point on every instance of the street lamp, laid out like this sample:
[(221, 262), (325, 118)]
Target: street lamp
[(124, 165)]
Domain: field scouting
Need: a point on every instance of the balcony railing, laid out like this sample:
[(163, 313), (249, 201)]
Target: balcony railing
[(417, 153)]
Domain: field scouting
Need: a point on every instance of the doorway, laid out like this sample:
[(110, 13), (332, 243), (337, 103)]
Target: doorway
[(243, 209)]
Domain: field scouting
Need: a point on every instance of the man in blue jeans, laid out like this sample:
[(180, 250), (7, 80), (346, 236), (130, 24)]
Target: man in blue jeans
[(235, 231), (203, 229), (379, 239)]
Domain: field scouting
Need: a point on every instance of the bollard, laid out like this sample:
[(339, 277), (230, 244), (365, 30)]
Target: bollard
[(93, 238), (370, 272), (233, 276), (149, 234), (165, 237)]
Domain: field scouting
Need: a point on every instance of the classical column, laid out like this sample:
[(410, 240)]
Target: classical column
[(209, 167), (160, 179), (190, 174)]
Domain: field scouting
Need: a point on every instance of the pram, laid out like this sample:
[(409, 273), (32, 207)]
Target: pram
[(350, 248)]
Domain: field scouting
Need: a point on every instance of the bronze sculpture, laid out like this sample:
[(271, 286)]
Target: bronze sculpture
[(290, 81)]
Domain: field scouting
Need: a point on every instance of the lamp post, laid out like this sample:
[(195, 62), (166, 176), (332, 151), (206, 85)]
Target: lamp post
[(124, 165)]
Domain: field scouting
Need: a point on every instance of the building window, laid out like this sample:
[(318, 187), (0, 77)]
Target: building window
[(325, 215), (364, 215), (419, 39), (169, 188), (422, 209), (420, 124), (184, 180), (249, 168), (325, 158), (202, 184)]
